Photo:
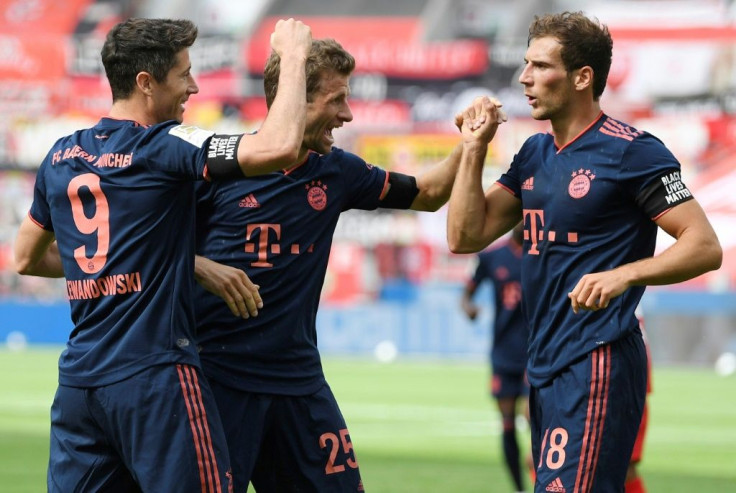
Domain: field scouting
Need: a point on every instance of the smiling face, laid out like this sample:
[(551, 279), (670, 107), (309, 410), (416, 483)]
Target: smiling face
[(547, 84), (169, 96), (328, 109)]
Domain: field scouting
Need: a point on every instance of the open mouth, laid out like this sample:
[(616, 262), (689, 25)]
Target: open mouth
[(328, 134)]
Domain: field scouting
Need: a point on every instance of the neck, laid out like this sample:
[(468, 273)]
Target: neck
[(129, 110), (303, 154), (568, 127)]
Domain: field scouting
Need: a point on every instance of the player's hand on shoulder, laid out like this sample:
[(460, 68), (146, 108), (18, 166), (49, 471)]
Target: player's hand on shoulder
[(291, 36)]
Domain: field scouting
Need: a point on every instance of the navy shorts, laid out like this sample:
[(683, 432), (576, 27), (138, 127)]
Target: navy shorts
[(584, 422), (282, 443), (155, 431), (504, 384)]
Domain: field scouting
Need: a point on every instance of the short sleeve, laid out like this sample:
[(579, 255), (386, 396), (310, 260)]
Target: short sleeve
[(178, 149), (650, 174), (512, 179), (364, 182), (40, 212)]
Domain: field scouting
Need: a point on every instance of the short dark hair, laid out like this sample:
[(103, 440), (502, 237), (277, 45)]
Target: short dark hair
[(143, 45), (326, 55), (585, 42)]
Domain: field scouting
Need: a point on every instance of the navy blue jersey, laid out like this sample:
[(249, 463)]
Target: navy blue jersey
[(278, 228), (587, 207), (120, 199), (502, 267)]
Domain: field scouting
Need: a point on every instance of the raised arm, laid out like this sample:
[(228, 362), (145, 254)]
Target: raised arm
[(36, 252), (276, 144), (475, 218), (696, 250), (436, 183)]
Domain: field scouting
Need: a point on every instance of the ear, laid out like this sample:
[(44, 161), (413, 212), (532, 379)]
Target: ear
[(584, 78), (144, 81)]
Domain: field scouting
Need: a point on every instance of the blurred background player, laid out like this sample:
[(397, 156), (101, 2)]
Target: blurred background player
[(284, 427), (634, 481), (592, 195), (113, 212), (501, 265)]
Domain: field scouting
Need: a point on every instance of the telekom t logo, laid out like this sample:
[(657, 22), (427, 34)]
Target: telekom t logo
[(534, 230), (264, 230), (264, 244), (534, 220)]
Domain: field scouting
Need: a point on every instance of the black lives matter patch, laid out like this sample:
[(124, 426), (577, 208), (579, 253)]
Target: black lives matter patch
[(664, 193), (222, 155), (223, 148)]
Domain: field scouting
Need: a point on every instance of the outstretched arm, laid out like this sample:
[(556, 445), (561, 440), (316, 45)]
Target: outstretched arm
[(277, 143), (36, 252), (695, 252), (475, 218), (435, 184)]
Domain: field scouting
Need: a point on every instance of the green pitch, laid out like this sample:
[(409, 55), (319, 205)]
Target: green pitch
[(422, 426)]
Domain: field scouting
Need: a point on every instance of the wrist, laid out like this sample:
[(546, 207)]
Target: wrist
[(629, 274), (475, 146), (291, 60)]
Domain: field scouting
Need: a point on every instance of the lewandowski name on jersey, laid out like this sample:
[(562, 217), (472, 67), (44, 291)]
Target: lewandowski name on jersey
[(85, 289)]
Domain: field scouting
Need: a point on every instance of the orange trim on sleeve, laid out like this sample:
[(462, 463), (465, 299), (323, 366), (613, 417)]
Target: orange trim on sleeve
[(386, 187), (661, 214), (35, 222), (506, 188)]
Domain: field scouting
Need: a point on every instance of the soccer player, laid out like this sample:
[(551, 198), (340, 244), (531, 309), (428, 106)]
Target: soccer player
[(591, 194), (502, 267), (284, 427), (634, 481), (113, 212)]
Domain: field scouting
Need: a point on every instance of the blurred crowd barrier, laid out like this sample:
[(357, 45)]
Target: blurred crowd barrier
[(404, 321)]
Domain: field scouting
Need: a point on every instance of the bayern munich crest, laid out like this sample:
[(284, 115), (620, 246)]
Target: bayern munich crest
[(316, 195), (580, 183)]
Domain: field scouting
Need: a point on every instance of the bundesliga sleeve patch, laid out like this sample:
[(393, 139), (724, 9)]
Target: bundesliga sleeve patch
[(663, 193), (194, 135)]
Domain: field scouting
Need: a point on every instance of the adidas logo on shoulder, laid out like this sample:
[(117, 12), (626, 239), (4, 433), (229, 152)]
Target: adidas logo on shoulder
[(249, 202)]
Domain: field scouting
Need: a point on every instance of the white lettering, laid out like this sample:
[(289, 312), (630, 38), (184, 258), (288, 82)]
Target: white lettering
[(223, 147), (678, 196)]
